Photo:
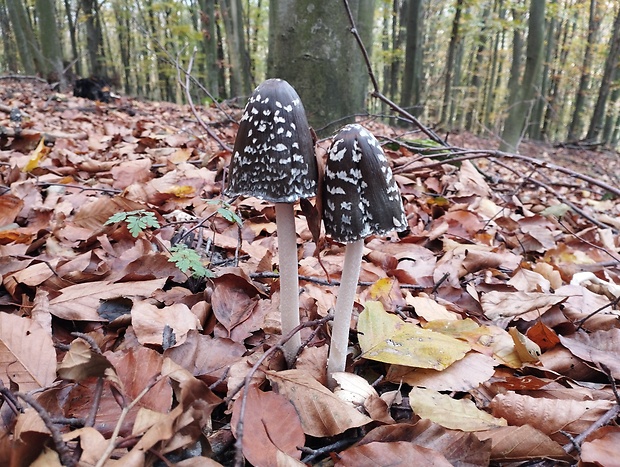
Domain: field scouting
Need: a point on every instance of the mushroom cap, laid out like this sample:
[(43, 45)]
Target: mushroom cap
[(360, 195), (273, 157)]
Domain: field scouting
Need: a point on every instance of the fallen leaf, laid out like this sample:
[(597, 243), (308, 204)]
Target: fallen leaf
[(387, 338), (270, 426), (27, 355), (321, 412), (451, 413), (149, 321), (525, 305), (399, 453), (600, 347)]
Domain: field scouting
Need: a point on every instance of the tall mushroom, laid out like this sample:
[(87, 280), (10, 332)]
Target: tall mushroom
[(360, 198), (273, 159)]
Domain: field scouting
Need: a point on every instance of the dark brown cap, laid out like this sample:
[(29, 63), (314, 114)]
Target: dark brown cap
[(360, 196), (273, 158)]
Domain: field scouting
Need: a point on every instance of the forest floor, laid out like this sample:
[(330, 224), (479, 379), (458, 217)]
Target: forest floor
[(488, 334)]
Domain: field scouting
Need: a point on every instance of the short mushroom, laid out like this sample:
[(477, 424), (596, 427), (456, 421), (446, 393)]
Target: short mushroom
[(360, 198), (273, 159)]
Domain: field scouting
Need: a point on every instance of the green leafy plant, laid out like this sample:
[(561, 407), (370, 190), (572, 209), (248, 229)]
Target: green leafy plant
[(188, 261), (226, 211), (137, 221)]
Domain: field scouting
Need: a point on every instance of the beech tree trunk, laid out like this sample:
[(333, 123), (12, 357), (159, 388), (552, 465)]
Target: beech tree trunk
[(239, 59), (94, 38), (209, 41), (520, 111), (23, 35), (576, 125), (452, 50), (598, 116), (50, 41), (311, 46), (412, 79)]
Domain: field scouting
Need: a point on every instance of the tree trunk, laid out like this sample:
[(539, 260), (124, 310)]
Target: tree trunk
[(492, 85), (209, 41), (239, 60), (476, 78), (311, 46), (399, 15), (50, 41), (75, 54), (94, 38), (8, 41), (576, 125), (610, 119), (23, 35), (412, 79), (598, 116), (123, 18), (452, 49), (536, 127), (520, 110)]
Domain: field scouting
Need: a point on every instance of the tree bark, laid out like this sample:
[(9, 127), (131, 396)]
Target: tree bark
[(311, 46), (23, 35), (520, 110), (598, 116), (239, 60), (50, 41), (412, 79), (576, 124), (94, 38), (452, 49), (209, 42)]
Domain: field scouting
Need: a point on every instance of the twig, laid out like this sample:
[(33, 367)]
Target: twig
[(239, 460), (64, 453), (188, 96), (329, 283), (606, 418), (337, 446), (92, 414), (597, 311), (121, 419), (113, 191)]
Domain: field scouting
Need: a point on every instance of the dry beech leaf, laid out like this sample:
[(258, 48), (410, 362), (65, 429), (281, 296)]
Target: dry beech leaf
[(206, 357), (321, 412), (463, 375), (525, 280), (82, 362), (92, 442), (548, 415), (80, 302), (527, 350), (451, 413), (27, 354), (387, 338), (10, 206), (604, 449), (521, 443), (524, 305), (545, 337), (429, 309), (149, 321), (399, 453), (357, 391), (460, 448), (270, 426), (600, 347)]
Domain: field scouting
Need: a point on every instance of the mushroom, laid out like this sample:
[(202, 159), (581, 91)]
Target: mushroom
[(273, 159), (360, 198)]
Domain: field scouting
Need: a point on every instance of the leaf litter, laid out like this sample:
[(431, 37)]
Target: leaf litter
[(487, 334)]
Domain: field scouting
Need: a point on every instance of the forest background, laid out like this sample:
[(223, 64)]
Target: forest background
[(505, 69)]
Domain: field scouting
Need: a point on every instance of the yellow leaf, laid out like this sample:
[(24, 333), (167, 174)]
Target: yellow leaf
[(180, 155), (381, 288), (182, 191), (40, 152), (527, 350), (451, 413), (386, 338)]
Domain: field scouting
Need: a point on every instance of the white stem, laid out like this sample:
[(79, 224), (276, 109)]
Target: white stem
[(344, 306), (289, 281)]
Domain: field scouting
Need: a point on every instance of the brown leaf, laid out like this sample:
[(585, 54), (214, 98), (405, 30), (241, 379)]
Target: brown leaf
[(521, 443), (600, 347), (460, 448), (548, 415), (206, 357), (399, 453), (27, 355), (604, 449), (321, 412), (81, 362), (525, 305), (10, 206), (149, 321), (233, 300), (80, 302), (270, 426)]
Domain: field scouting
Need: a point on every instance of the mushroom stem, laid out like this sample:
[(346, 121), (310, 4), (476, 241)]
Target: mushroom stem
[(344, 307), (289, 280)]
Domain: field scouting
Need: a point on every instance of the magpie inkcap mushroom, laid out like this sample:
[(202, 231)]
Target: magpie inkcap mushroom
[(273, 159), (360, 198)]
